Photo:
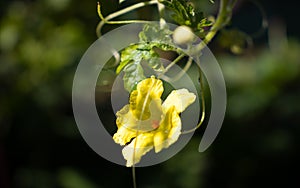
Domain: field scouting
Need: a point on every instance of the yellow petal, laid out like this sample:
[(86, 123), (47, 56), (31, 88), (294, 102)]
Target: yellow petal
[(175, 130), (137, 148), (124, 121), (181, 99), (147, 123), (144, 112), (140, 99), (168, 131), (124, 135)]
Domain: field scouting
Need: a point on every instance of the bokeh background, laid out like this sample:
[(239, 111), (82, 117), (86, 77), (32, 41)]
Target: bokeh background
[(41, 43)]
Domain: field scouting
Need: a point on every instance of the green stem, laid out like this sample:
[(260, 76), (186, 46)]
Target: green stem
[(184, 70), (105, 20), (224, 16), (134, 177), (173, 63), (161, 11)]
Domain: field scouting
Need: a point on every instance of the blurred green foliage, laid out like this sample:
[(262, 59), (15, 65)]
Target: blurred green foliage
[(41, 43)]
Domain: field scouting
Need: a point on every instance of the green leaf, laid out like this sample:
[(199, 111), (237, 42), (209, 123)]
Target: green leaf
[(127, 56), (153, 33), (131, 58), (182, 11), (153, 36), (135, 53), (134, 73), (185, 14)]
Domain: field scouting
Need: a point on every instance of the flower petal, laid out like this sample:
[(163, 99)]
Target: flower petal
[(140, 99), (168, 131), (124, 121), (181, 99), (147, 123), (137, 148), (143, 113), (175, 130)]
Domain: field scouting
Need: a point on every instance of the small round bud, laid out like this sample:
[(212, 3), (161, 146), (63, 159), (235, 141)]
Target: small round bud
[(183, 35)]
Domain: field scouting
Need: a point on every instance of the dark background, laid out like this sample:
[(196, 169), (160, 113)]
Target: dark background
[(41, 43)]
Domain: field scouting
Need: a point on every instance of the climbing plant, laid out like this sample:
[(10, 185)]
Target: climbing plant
[(149, 122)]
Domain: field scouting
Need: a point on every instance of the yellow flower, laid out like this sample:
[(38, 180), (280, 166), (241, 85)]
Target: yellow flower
[(146, 123)]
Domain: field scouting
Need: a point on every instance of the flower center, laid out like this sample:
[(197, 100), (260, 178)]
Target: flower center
[(155, 124)]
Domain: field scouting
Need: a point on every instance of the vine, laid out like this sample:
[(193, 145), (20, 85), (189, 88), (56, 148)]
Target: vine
[(146, 122)]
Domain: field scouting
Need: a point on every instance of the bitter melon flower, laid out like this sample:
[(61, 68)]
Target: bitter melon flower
[(146, 123)]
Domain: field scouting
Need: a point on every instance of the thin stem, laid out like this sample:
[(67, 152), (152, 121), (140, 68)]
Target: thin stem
[(180, 74), (223, 18), (202, 103), (133, 162), (161, 11), (162, 74), (173, 63), (105, 20), (134, 177), (184, 70)]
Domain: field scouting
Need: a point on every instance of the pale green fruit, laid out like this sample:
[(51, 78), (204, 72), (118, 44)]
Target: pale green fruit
[(183, 35)]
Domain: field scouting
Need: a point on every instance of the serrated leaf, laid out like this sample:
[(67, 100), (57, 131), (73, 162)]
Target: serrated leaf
[(135, 53), (154, 36), (151, 37), (153, 33), (127, 55), (185, 14), (182, 10), (134, 73), (131, 58)]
